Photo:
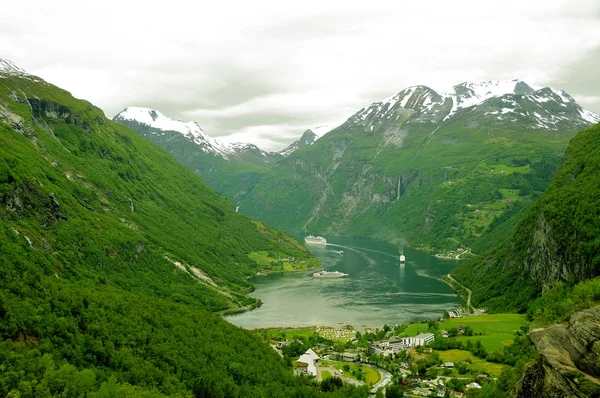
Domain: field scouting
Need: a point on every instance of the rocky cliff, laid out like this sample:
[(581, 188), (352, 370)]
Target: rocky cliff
[(569, 359)]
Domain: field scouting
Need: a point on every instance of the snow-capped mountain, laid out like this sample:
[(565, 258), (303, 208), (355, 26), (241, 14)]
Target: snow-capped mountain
[(150, 121), (7, 66), (498, 101), (161, 124), (308, 138)]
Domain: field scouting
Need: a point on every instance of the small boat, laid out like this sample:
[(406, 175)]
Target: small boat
[(402, 259), (340, 252)]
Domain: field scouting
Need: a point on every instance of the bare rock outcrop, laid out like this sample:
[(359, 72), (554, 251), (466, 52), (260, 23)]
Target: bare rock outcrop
[(569, 359)]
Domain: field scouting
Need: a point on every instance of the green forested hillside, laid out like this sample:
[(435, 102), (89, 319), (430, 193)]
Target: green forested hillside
[(114, 258), (556, 242)]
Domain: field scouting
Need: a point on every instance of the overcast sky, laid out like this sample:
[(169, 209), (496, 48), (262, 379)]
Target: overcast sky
[(266, 71)]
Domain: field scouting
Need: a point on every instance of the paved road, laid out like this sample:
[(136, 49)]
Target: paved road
[(386, 378), (464, 287)]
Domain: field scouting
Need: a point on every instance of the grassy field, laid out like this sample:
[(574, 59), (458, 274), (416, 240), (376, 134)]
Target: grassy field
[(325, 374), (477, 364), (371, 376), (497, 329), (280, 262), (287, 333)]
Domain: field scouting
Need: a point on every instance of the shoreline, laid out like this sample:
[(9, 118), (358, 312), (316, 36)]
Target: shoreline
[(229, 314)]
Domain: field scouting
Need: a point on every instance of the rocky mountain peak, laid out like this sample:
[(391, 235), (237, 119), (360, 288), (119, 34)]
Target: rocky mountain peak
[(308, 138), (502, 100)]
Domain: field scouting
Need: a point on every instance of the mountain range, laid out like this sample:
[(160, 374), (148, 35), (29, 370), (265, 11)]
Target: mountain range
[(115, 257), (160, 128), (444, 171)]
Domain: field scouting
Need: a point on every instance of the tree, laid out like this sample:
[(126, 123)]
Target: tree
[(393, 391), (331, 384)]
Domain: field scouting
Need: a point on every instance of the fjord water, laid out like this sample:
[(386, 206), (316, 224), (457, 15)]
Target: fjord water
[(377, 291)]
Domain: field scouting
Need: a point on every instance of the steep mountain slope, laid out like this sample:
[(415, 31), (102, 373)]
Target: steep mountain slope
[(232, 169), (556, 241), (443, 171), (113, 258)]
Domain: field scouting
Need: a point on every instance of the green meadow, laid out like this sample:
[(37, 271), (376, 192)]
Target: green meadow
[(493, 330)]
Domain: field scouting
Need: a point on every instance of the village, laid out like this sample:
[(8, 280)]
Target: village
[(443, 358)]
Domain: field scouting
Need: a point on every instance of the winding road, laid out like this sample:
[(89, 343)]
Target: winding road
[(464, 287)]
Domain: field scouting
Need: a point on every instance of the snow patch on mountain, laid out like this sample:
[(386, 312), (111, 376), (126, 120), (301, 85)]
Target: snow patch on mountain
[(191, 130), (320, 131), (10, 68), (465, 95), (589, 116), (506, 100)]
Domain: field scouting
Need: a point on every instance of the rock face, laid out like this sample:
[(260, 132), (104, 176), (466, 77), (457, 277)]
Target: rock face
[(568, 364)]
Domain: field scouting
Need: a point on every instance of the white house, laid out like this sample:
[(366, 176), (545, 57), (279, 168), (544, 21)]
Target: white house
[(418, 340), (308, 359), (472, 385)]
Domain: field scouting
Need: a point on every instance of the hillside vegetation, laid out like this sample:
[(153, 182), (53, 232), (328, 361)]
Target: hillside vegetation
[(554, 246), (114, 260), (462, 187)]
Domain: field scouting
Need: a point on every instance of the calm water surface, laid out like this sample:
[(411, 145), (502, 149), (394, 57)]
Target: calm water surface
[(377, 291)]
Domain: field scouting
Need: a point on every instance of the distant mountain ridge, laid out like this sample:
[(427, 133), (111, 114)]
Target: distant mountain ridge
[(308, 138), (151, 121), (158, 124), (503, 101)]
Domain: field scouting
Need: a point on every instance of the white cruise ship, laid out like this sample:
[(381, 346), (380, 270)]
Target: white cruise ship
[(329, 274), (315, 240)]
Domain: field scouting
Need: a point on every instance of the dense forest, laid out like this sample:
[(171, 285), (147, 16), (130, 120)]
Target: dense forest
[(115, 259)]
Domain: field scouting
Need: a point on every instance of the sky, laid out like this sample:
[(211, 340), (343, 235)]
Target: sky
[(265, 71)]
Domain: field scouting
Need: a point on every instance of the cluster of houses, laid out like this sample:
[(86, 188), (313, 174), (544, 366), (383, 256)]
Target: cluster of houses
[(396, 344), (432, 387)]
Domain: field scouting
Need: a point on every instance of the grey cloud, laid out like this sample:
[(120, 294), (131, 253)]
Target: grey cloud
[(189, 88), (582, 78)]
